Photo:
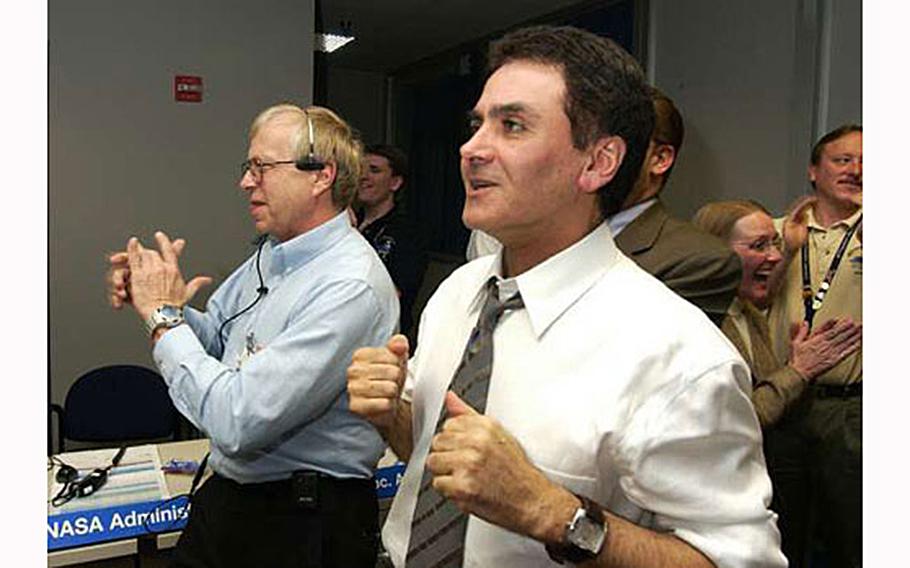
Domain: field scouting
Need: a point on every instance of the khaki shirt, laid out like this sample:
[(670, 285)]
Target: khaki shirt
[(844, 298)]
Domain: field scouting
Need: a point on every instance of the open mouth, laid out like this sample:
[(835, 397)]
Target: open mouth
[(479, 184), (851, 183), (762, 275)]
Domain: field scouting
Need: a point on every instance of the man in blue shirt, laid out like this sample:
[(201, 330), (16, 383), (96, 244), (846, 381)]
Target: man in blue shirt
[(262, 370)]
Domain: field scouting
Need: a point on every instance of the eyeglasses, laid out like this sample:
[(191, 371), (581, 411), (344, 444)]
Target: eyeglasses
[(764, 244), (257, 167)]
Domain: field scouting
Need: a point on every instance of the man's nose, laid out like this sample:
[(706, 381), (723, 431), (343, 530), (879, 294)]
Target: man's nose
[(774, 254), (856, 168), (247, 181), (477, 148)]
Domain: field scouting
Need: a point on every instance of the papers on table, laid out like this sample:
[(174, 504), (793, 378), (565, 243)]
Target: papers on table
[(138, 478)]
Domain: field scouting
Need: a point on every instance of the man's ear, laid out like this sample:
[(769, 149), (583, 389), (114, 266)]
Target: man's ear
[(397, 182), (662, 159), (813, 174), (324, 179), (604, 158)]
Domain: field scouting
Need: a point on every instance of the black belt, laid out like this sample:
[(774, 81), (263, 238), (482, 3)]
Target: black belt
[(838, 391), (308, 489)]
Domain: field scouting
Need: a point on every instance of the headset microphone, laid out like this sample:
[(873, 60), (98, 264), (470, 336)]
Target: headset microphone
[(310, 163)]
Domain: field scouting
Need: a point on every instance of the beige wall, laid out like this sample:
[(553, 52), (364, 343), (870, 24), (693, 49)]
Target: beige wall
[(757, 83), (126, 159)]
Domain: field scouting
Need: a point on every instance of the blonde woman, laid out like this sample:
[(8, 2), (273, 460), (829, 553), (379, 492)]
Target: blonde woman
[(748, 229)]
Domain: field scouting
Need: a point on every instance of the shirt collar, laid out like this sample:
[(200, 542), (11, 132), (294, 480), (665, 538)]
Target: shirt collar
[(619, 221), (294, 253), (735, 308), (848, 222), (551, 287)]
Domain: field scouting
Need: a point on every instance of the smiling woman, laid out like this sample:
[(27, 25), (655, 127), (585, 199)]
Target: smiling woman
[(749, 230), (757, 243)]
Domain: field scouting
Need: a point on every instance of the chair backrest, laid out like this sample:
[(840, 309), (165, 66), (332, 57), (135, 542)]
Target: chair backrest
[(118, 403)]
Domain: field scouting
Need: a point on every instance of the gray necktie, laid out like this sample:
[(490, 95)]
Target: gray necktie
[(438, 527)]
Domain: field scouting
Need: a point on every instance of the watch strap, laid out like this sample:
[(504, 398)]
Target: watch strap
[(570, 552)]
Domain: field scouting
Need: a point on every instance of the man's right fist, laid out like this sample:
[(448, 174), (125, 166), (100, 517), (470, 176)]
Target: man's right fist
[(375, 379)]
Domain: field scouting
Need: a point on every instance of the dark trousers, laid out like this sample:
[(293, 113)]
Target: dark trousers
[(814, 459), (262, 524)]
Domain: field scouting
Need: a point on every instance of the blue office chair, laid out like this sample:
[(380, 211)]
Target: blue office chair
[(117, 403)]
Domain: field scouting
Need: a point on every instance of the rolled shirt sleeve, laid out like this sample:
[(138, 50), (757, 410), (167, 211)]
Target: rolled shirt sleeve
[(697, 464)]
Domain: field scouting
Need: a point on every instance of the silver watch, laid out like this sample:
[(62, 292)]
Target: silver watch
[(166, 316), (585, 534)]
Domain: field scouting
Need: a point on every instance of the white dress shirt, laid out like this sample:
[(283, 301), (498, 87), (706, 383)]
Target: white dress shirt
[(481, 244), (617, 389)]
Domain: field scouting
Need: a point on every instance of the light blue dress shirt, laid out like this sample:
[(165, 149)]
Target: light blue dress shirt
[(276, 401)]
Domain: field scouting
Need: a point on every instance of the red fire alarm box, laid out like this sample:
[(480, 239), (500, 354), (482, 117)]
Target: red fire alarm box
[(188, 88)]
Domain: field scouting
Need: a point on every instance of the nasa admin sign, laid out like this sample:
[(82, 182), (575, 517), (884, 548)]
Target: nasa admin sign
[(112, 523), (91, 526)]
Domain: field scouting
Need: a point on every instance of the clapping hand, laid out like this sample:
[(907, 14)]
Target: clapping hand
[(146, 278)]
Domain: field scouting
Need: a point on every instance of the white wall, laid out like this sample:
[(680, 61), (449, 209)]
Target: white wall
[(126, 159), (757, 83)]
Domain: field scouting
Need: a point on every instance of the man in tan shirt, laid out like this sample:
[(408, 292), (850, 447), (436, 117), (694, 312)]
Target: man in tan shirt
[(815, 455)]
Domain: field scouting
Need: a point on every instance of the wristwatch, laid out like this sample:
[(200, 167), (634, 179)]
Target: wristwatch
[(167, 316), (585, 534)]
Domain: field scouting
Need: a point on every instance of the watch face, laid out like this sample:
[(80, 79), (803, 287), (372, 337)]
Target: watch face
[(170, 312), (587, 534)]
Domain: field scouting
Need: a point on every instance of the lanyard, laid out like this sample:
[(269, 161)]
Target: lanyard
[(813, 303)]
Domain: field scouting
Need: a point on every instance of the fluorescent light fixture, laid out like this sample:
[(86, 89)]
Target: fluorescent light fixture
[(330, 42)]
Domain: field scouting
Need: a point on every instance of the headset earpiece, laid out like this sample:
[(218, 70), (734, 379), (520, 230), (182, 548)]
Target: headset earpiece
[(66, 474), (310, 163)]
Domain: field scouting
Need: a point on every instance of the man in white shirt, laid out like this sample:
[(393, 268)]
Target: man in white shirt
[(699, 267), (617, 428)]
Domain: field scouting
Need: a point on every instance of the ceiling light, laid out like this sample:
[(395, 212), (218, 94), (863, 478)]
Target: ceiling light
[(330, 42)]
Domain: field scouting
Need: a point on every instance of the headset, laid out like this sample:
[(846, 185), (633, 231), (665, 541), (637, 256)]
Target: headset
[(74, 486), (310, 163), (261, 291)]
